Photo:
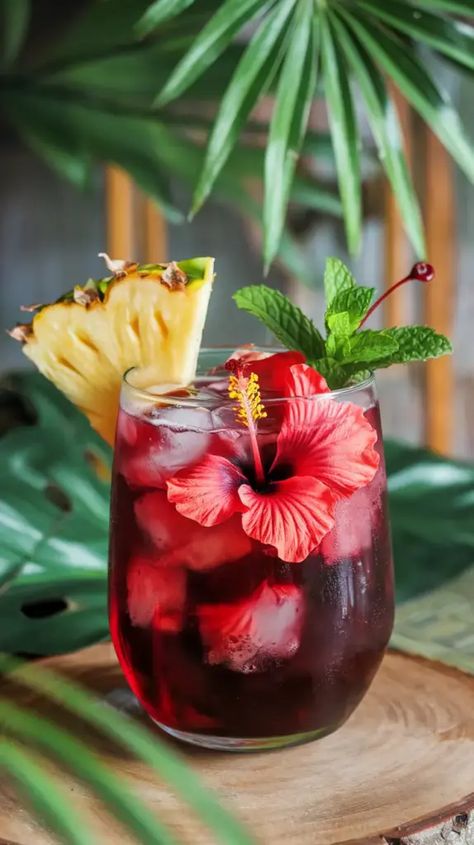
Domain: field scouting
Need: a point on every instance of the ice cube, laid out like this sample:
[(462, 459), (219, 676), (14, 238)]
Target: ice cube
[(156, 449), (155, 594), (250, 635), (355, 523), (183, 542), (182, 418)]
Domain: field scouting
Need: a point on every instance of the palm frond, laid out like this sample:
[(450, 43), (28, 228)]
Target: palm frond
[(158, 12), (293, 99), (48, 801), (343, 130), (365, 40), (127, 734), (75, 756), (418, 86), (383, 120)]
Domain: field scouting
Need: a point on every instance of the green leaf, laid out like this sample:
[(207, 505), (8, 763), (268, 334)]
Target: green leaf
[(340, 326), (415, 343), (383, 120), (451, 37), (460, 7), (53, 525), (128, 734), (343, 130), (332, 371), (158, 12), (50, 802), (15, 16), (288, 124), (431, 505), (247, 85), (417, 85), (209, 44), (285, 320), (337, 278), (354, 301), (367, 346), (75, 755)]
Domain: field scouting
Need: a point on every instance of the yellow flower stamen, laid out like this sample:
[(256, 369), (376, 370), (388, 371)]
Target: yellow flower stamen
[(246, 390)]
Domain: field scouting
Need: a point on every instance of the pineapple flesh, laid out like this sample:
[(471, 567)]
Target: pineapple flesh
[(141, 316)]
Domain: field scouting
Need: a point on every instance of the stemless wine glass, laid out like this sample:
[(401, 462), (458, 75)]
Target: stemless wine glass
[(251, 585)]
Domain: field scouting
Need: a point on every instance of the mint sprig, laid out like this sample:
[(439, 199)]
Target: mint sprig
[(285, 320), (348, 353)]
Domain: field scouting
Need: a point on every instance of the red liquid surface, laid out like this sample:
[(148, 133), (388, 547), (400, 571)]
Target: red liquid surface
[(215, 634)]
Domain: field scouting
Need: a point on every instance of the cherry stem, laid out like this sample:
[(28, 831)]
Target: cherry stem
[(382, 298), (421, 272)]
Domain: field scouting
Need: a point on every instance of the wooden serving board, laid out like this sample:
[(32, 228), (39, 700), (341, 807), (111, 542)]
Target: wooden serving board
[(400, 771)]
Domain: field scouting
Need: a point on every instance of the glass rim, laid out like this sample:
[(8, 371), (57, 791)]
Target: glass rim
[(197, 401)]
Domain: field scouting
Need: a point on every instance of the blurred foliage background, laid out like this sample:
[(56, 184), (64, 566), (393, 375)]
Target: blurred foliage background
[(173, 89)]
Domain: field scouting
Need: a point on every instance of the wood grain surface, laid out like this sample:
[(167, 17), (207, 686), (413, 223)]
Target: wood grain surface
[(400, 771)]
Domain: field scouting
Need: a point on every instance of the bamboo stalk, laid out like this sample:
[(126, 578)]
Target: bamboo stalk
[(439, 296), (155, 233), (119, 202)]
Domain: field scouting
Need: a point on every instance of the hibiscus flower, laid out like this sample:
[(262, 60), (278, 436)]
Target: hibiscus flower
[(324, 451)]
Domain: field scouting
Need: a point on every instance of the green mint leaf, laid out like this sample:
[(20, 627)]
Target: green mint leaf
[(285, 320), (340, 325), (328, 367), (337, 277), (354, 302), (369, 346), (358, 375), (415, 343)]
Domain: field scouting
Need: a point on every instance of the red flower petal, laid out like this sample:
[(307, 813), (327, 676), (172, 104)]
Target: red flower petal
[(330, 440), (155, 593), (250, 634), (293, 516), (303, 380), (273, 371), (184, 543), (207, 492)]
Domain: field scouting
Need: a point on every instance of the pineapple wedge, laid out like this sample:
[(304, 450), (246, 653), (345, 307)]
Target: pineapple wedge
[(141, 315)]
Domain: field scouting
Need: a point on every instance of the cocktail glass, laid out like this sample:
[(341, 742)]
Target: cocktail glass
[(226, 643)]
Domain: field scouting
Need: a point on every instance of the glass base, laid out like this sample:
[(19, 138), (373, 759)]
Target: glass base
[(227, 743)]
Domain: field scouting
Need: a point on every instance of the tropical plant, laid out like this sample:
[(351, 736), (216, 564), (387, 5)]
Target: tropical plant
[(80, 91), (30, 740), (294, 42), (149, 85)]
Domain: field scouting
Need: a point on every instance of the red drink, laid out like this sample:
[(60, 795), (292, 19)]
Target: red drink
[(225, 643)]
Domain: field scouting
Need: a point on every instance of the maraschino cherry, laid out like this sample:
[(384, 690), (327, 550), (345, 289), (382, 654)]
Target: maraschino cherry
[(420, 272)]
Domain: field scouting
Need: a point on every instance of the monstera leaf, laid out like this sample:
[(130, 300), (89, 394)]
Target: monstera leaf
[(54, 509), (431, 506)]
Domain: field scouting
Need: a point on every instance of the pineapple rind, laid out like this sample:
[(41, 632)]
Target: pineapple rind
[(140, 322)]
